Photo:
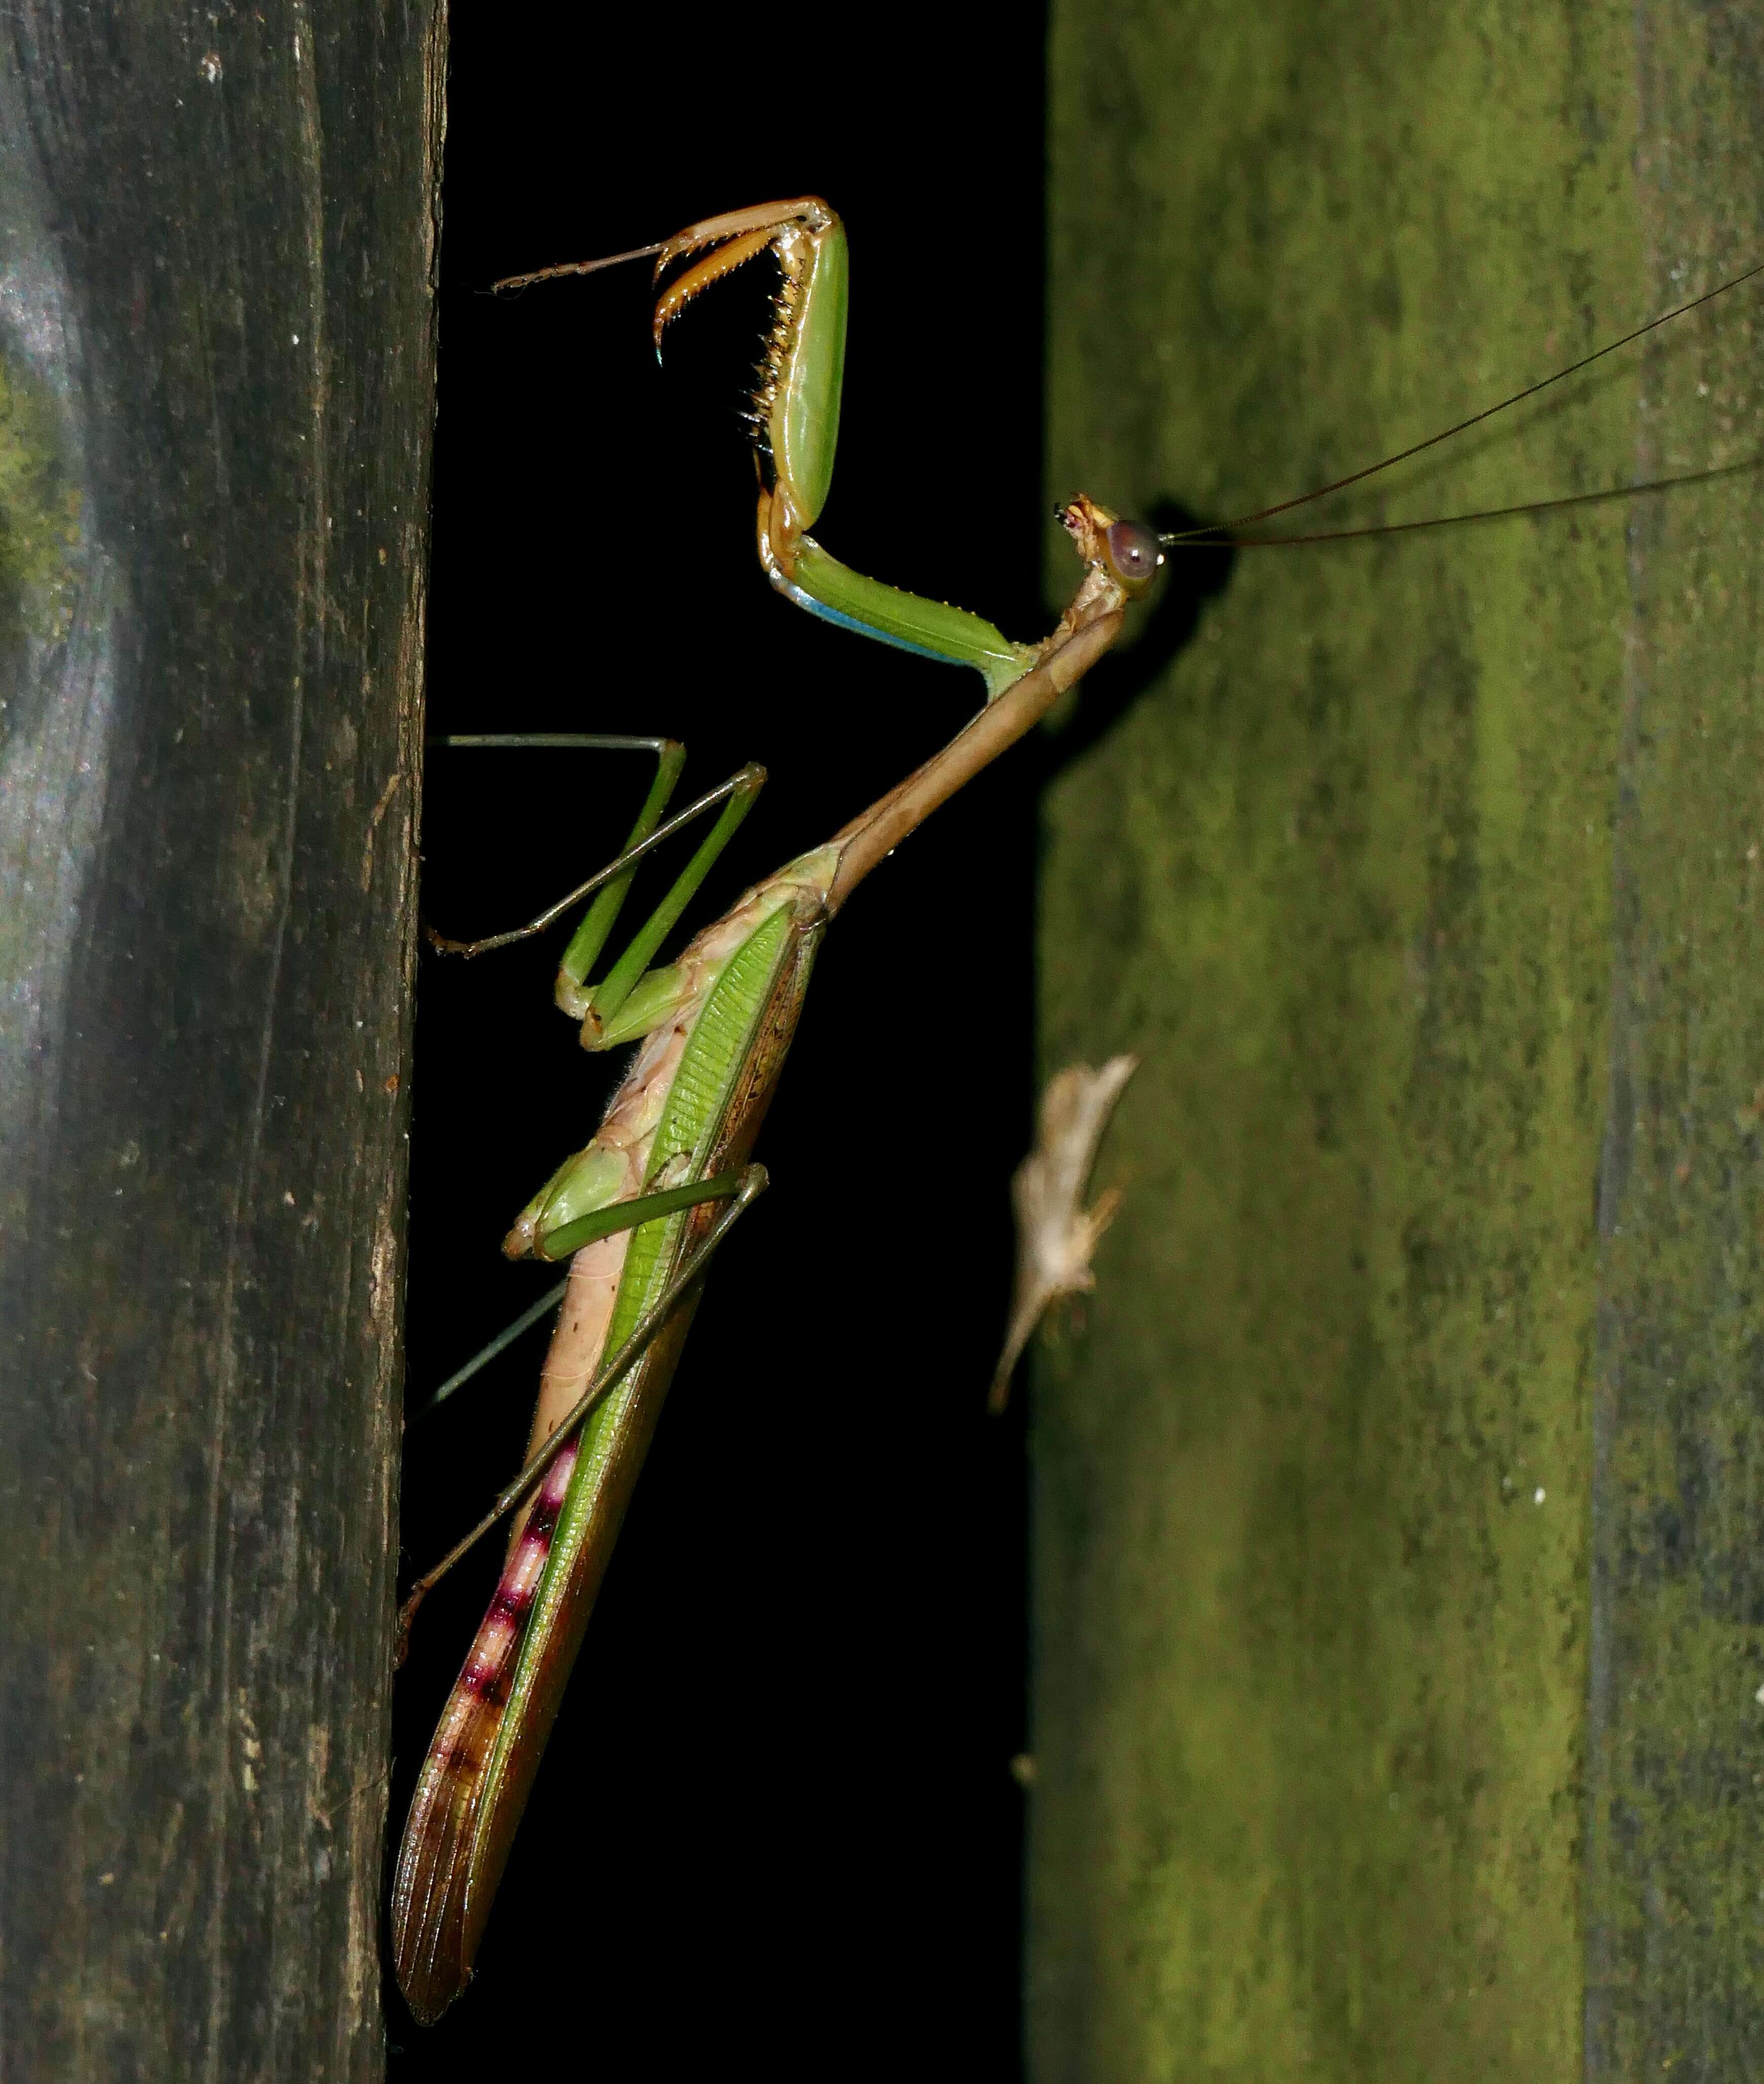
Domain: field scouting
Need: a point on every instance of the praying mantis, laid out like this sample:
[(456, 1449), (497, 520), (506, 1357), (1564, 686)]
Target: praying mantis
[(652, 1195), (639, 1207)]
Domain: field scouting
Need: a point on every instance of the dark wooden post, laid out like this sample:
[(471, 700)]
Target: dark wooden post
[(1400, 1627), (216, 240)]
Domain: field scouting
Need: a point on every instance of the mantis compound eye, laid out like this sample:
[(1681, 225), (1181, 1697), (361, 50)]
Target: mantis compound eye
[(1133, 552)]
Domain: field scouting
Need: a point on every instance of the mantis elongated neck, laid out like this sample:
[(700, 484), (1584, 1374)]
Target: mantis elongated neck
[(876, 833)]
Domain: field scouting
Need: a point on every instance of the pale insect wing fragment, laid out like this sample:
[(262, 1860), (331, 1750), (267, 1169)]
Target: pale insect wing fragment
[(1056, 1238)]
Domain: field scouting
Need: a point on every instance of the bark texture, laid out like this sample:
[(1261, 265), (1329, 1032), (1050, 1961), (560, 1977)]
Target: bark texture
[(1399, 1595), (217, 234)]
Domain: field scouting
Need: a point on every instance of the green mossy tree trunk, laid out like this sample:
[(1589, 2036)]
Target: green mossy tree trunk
[(1399, 1575)]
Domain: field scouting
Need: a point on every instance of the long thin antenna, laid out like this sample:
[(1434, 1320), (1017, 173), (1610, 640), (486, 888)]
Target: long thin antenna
[(1222, 540), (1463, 426)]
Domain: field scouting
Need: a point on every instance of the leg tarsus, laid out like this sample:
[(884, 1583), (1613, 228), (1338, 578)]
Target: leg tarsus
[(670, 757), (751, 776), (485, 1355)]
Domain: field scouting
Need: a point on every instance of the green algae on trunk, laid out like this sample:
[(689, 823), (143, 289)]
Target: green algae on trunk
[(1319, 1726)]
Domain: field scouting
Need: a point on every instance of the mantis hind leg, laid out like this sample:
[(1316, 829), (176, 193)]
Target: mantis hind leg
[(740, 1190), (619, 1216)]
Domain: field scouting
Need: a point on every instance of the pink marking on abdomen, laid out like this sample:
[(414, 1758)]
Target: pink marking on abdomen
[(494, 1649)]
